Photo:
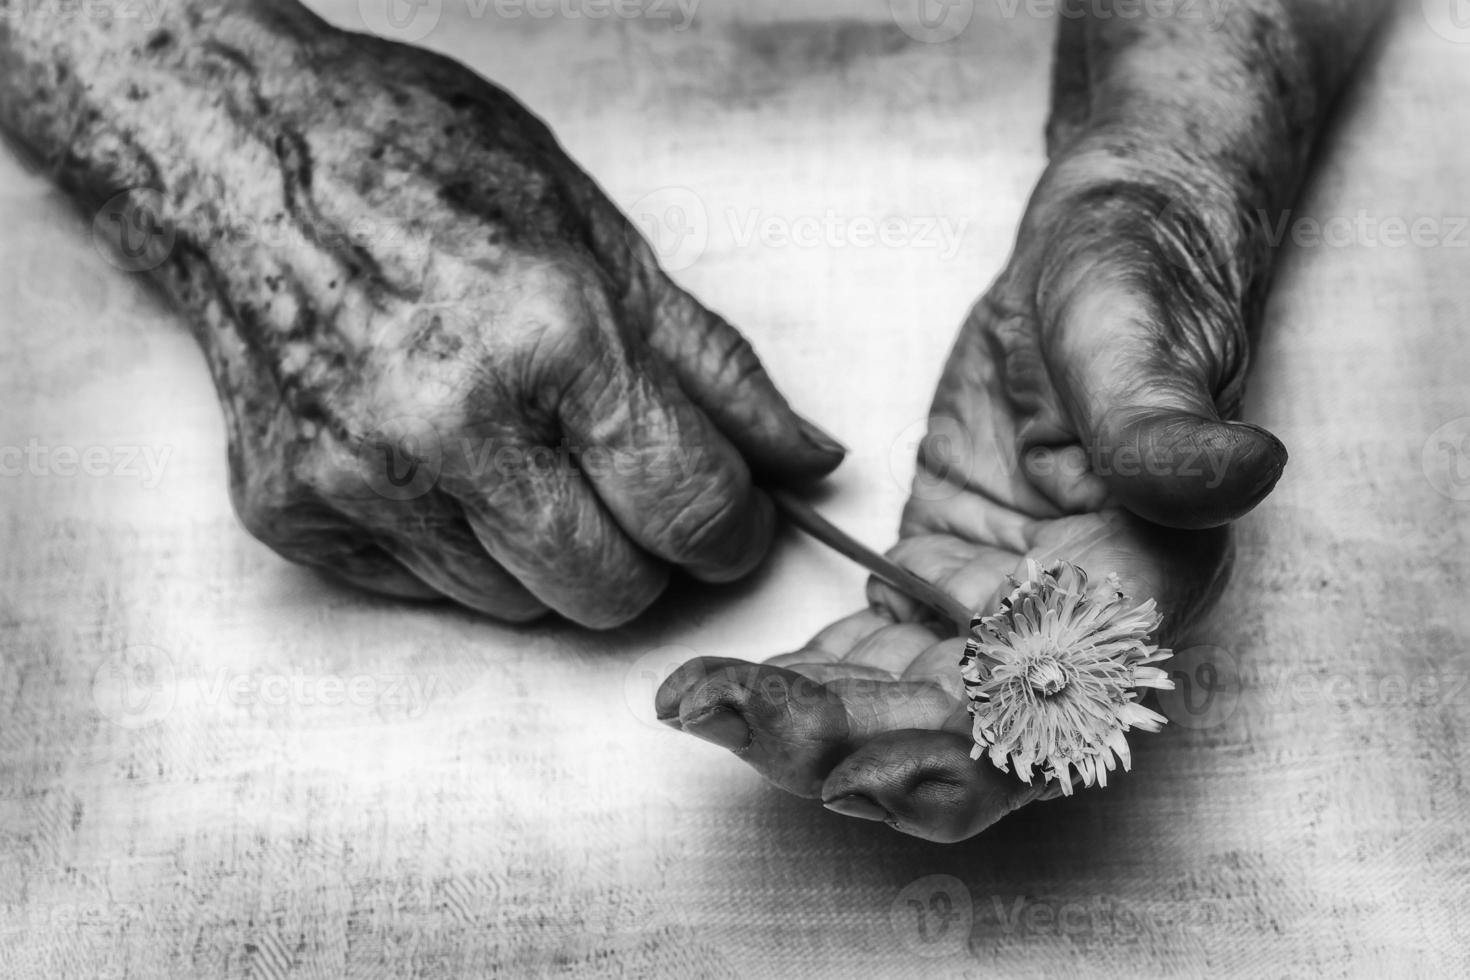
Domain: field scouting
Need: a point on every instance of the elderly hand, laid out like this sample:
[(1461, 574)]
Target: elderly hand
[(1086, 413), (1050, 416), (448, 364)]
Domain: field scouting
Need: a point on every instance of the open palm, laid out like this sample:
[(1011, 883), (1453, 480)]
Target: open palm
[(1079, 417)]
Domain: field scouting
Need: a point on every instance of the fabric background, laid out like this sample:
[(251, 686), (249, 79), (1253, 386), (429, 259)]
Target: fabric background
[(485, 801)]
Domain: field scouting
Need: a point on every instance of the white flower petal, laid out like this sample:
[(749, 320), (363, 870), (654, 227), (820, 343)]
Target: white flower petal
[(1052, 677)]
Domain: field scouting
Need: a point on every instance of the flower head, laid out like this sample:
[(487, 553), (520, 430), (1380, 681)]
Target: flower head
[(1052, 676)]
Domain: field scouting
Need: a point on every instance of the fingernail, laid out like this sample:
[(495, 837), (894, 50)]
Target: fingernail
[(857, 805), (721, 726), (820, 438), (1279, 457)]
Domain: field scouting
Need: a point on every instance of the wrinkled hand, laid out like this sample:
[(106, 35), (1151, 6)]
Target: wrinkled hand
[(1086, 388), (449, 365)]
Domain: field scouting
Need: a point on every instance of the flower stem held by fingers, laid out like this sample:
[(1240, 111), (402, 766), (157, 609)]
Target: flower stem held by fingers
[(805, 517)]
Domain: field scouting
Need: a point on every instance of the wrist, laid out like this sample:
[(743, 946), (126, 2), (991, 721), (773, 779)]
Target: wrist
[(1119, 205)]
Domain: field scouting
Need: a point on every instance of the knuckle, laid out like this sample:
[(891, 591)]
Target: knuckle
[(734, 359), (623, 601), (1015, 348), (263, 504), (287, 501), (703, 526), (298, 529), (559, 307)]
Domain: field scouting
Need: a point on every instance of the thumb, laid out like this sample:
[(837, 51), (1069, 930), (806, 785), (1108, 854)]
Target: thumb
[(720, 372), (1141, 389)]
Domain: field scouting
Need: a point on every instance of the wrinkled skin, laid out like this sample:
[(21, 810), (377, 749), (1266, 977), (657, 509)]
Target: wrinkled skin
[(1079, 414), (870, 715), (579, 424), (1086, 412), (449, 366)]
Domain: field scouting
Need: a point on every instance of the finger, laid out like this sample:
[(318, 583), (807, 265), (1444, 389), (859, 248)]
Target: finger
[(884, 704), (721, 373), (665, 472), (840, 637), (1144, 398), (319, 535), (448, 557), (791, 729), (374, 570), (892, 648), (548, 529), (430, 538), (838, 671), (967, 570), (837, 640), (940, 665), (925, 784), (803, 658)]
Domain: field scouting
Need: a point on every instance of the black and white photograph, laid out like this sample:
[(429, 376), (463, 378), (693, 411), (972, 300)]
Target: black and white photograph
[(734, 489)]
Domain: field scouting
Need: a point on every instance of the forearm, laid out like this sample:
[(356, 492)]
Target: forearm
[(1237, 96), (1177, 141), (289, 176), (109, 104), (275, 147)]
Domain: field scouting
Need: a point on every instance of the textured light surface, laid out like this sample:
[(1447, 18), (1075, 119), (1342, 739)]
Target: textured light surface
[(306, 783)]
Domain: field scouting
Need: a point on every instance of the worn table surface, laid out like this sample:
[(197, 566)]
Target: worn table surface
[(215, 764)]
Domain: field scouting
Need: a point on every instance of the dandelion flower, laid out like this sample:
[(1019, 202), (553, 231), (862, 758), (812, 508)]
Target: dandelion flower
[(1052, 678)]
